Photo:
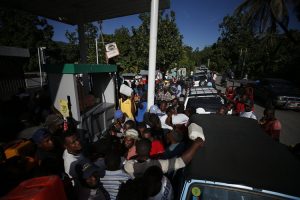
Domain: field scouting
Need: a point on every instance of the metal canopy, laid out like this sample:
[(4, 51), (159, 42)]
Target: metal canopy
[(79, 68), (82, 11)]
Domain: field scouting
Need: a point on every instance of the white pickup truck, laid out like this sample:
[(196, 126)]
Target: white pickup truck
[(204, 99)]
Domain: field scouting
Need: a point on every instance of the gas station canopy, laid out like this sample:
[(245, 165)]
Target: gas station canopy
[(82, 11), (79, 68), (79, 12)]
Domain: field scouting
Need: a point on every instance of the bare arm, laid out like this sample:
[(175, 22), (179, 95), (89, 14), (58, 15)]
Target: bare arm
[(191, 151), (132, 105)]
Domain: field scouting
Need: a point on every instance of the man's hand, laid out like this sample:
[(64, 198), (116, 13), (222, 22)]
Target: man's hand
[(199, 142)]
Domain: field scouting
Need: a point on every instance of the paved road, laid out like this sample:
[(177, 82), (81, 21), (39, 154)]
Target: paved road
[(290, 121)]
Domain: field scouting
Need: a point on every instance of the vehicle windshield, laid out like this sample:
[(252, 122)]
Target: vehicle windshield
[(199, 78), (210, 104), (214, 192)]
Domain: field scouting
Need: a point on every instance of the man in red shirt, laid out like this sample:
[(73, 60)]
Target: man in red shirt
[(157, 147)]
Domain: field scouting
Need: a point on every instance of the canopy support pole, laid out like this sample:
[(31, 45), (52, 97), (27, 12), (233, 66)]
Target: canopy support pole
[(152, 52)]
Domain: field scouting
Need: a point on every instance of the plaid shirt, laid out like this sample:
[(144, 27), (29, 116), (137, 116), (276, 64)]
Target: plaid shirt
[(165, 96)]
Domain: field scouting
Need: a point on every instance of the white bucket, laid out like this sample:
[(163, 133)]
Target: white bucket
[(124, 89)]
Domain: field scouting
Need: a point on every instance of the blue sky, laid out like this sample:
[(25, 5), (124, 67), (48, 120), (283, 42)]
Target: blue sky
[(198, 21)]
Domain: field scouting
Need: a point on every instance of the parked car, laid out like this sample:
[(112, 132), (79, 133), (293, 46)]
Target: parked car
[(239, 161), (206, 98), (278, 92), (199, 79)]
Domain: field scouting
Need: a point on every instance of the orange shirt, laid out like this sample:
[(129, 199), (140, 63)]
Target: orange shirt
[(131, 152)]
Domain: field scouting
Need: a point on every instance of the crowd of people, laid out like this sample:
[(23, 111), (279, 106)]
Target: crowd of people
[(143, 152), (240, 102)]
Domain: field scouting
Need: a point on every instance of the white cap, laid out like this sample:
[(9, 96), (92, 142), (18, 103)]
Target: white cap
[(180, 119), (132, 133), (200, 110), (195, 131)]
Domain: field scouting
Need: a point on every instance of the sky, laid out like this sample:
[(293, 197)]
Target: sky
[(198, 21)]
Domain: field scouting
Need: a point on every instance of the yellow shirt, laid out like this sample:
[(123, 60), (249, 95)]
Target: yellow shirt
[(125, 107)]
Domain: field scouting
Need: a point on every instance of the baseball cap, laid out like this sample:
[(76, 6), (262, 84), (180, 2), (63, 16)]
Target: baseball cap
[(132, 133), (118, 114), (180, 118), (53, 119), (248, 102), (39, 135), (154, 109), (88, 169)]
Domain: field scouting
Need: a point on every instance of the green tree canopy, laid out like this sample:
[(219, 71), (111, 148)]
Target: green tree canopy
[(21, 29), (169, 43)]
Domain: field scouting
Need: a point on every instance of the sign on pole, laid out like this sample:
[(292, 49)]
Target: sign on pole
[(64, 110), (111, 50)]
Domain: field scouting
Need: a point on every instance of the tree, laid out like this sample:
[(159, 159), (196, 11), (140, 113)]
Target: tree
[(140, 41), (21, 29), (169, 43), (186, 60), (71, 49), (238, 43), (91, 34), (127, 57), (266, 15)]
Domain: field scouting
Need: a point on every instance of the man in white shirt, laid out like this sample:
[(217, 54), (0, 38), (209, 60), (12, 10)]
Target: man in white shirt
[(72, 154), (248, 113)]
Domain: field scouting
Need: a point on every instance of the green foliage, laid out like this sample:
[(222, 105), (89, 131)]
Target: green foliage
[(169, 42), (267, 15), (259, 55), (187, 61), (20, 29), (127, 57)]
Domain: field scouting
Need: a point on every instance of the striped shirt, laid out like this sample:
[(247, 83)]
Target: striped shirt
[(112, 181)]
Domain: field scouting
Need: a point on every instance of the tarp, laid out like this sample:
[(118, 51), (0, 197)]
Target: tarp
[(237, 151)]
